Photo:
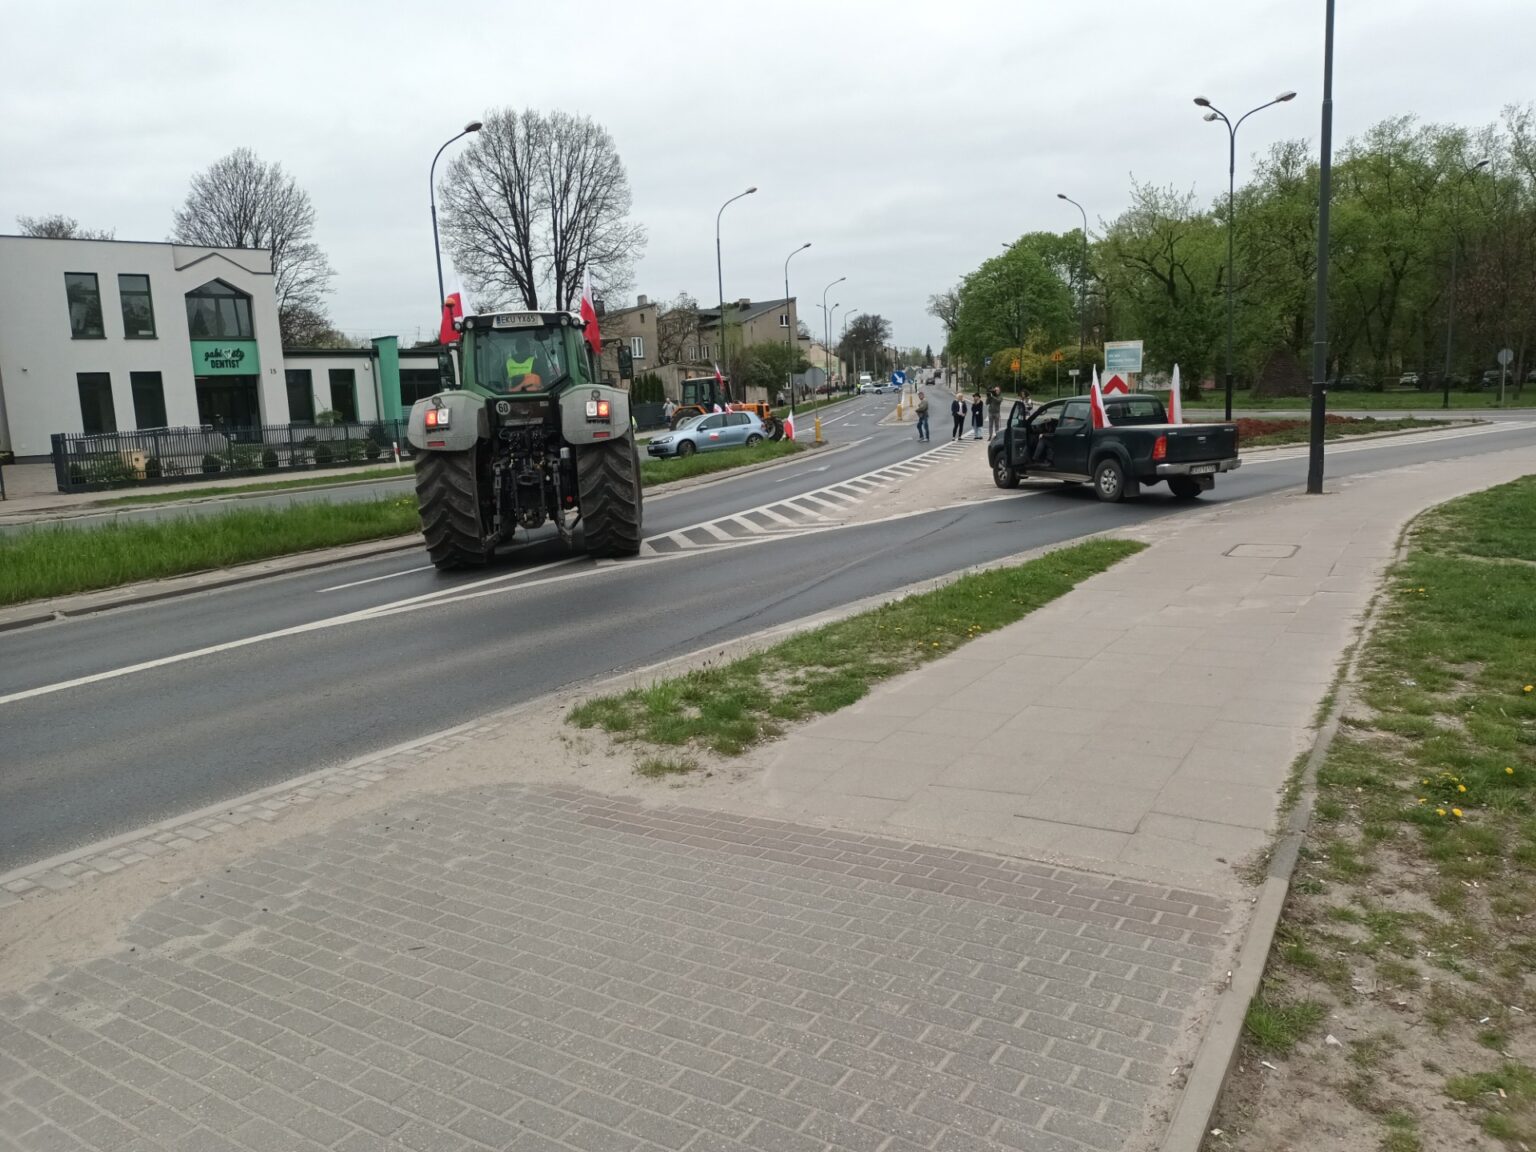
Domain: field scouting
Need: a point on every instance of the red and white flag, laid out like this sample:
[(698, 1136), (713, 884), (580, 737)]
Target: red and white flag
[(1175, 401), (789, 424), (1096, 402), (589, 315)]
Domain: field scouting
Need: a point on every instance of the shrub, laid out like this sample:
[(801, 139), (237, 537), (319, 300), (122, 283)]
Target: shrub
[(153, 469), (212, 463), (648, 389), (269, 458), (372, 448), (322, 454)]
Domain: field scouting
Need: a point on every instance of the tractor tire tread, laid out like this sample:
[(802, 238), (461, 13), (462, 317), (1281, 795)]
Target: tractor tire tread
[(612, 504), (448, 501)]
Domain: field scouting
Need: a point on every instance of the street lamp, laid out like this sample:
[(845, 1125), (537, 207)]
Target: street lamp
[(719, 269), (789, 331), (1450, 315), (1320, 304), (437, 254), (1214, 114), (826, 321), (1082, 287)]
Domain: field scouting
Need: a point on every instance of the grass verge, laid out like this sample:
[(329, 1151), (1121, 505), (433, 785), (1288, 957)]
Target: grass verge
[(384, 472), (1409, 916), (730, 707), (653, 472), (1268, 431), (58, 561)]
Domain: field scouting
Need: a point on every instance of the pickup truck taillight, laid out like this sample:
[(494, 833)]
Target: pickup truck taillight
[(1160, 448)]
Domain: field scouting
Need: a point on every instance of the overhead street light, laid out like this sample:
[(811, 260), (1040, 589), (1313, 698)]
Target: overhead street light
[(1082, 287), (437, 254), (1215, 114), (789, 330), (719, 273), (826, 323)]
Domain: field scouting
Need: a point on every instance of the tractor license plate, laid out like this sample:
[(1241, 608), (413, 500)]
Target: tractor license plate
[(1202, 469), (517, 320)]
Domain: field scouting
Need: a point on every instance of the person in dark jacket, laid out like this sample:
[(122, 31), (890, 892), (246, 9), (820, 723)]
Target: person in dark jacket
[(978, 414), (957, 410)]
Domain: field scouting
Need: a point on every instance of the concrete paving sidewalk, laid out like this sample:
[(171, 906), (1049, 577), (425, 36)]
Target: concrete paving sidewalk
[(988, 908)]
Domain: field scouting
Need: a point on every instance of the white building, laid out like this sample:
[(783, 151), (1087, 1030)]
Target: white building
[(114, 335)]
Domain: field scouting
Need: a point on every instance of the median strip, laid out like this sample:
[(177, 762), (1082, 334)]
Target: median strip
[(729, 708), (1396, 999), (654, 472)]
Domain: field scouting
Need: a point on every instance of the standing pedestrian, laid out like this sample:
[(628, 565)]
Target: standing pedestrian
[(922, 416), (957, 411), (994, 412), (978, 413), (667, 411)]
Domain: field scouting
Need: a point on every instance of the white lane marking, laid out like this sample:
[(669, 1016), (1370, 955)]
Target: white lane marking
[(1337, 449), (807, 472), (376, 579)]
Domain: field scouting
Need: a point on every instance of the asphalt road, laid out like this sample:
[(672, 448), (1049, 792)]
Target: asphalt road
[(109, 722)]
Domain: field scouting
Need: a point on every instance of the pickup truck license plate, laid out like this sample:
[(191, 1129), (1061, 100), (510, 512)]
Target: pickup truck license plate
[(1201, 469)]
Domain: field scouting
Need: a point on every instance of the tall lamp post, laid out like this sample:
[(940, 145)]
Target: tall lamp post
[(1082, 287), (720, 272), (1320, 315), (437, 253), (1216, 113), (826, 322), (1450, 313), (789, 329)]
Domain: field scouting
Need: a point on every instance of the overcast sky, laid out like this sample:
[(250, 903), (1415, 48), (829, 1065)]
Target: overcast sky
[(905, 140)]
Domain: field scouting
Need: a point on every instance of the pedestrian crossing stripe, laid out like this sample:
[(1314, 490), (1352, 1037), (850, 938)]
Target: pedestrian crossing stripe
[(794, 515)]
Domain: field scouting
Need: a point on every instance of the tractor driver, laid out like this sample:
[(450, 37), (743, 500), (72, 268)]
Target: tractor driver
[(521, 374)]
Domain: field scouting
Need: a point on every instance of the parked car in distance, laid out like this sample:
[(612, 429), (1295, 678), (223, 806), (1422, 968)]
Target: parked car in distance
[(706, 433), (1408, 380), (1057, 441)]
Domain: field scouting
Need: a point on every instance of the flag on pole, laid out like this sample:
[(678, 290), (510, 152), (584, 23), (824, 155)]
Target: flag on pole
[(1096, 402), (589, 315), (453, 309), (719, 383), (1175, 401), (789, 424)]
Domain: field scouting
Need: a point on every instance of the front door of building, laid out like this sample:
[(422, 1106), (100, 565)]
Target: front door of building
[(229, 404)]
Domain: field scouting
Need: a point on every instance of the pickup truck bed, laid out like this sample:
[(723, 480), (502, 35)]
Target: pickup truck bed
[(1139, 447)]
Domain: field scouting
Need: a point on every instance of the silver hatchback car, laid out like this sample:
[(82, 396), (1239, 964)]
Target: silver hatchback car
[(706, 433)]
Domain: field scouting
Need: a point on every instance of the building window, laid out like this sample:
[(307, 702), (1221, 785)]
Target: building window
[(138, 309), (84, 296), (344, 394), (637, 347), (783, 319), (148, 400), (217, 311), (417, 384), (301, 396), (96, 412)]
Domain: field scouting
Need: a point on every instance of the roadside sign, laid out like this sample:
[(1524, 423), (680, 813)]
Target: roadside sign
[(1505, 356), (986, 361), (1122, 356), (1014, 367), (899, 379), (1057, 357), (1072, 372)]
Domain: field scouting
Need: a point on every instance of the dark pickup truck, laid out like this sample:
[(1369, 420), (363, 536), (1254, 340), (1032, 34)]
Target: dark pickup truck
[(1057, 441)]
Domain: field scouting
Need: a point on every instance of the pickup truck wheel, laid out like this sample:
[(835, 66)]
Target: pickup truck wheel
[(1184, 487), (1109, 480), (1003, 473)]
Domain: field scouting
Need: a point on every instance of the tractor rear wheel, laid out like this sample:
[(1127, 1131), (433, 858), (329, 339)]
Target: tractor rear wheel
[(608, 483), (773, 428), (448, 501)]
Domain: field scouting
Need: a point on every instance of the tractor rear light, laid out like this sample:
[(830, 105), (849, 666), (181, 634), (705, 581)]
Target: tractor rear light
[(438, 418), (599, 409), (1160, 448)]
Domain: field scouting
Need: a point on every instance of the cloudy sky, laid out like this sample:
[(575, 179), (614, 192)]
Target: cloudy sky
[(906, 141)]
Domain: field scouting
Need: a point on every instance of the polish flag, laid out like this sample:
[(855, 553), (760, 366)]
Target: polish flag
[(789, 424), (589, 315), (1175, 402), (717, 408), (453, 309), (1096, 402)]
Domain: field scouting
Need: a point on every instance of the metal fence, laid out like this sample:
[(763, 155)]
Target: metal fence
[(90, 462)]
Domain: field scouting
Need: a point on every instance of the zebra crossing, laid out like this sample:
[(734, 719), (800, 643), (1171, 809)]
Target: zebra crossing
[(793, 515)]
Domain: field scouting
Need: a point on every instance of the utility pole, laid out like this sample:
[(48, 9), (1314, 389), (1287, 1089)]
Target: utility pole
[(1320, 318)]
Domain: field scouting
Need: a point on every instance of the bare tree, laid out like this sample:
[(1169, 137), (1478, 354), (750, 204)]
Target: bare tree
[(534, 202), (945, 308), (243, 202), (677, 330), (61, 227)]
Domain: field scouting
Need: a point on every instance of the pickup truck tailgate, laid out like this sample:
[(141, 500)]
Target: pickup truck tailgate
[(1190, 443)]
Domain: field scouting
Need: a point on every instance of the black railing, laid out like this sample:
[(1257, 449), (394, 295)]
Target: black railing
[(86, 462)]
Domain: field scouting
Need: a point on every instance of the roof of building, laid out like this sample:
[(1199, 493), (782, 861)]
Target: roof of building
[(742, 313)]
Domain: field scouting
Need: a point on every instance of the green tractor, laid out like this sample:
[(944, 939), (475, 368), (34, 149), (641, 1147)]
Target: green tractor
[(531, 438)]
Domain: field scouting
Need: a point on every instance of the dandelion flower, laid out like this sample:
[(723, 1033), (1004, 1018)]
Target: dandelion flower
[(1528, 687), (1423, 800), (1509, 771), (1439, 811), (1456, 812), (1461, 787), (1421, 589)]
